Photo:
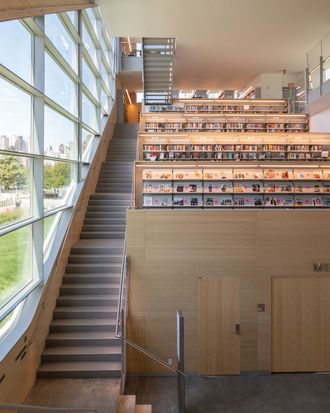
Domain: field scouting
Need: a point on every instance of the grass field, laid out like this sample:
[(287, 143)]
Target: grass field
[(15, 256)]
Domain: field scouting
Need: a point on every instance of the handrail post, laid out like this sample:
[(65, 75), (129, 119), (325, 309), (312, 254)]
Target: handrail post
[(180, 356), (123, 351)]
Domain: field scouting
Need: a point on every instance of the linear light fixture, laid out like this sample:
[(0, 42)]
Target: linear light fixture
[(129, 44), (129, 98)]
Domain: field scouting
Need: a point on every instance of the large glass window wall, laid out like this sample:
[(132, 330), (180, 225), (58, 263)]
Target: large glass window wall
[(46, 134)]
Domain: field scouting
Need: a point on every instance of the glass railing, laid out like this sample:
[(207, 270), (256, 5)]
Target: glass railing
[(318, 64)]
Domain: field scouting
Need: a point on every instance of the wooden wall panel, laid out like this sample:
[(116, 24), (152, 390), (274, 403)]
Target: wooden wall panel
[(170, 249)]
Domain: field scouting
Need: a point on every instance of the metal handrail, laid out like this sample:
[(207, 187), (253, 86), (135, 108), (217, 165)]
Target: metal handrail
[(121, 312), (32, 409), (152, 356)]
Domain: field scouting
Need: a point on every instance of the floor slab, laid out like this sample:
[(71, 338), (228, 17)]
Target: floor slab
[(94, 394), (277, 393)]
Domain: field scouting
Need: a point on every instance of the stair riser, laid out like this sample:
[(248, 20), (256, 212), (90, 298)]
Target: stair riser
[(58, 314), (110, 197), (69, 302), (88, 290), (105, 215), (109, 203), (95, 259), (108, 190), (108, 209), (97, 235), (81, 342), (81, 269), (80, 279), (77, 374), (104, 228), (82, 328), (96, 251), (62, 358)]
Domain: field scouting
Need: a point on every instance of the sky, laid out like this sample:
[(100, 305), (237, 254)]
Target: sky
[(15, 105)]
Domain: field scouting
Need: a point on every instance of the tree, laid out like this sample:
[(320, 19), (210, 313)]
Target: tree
[(56, 176), (12, 173)]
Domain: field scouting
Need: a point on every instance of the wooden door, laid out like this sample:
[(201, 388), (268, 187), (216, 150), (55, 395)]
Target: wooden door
[(218, 314), (300, 324)]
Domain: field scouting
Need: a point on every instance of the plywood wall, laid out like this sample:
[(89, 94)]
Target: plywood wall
[(170, 249)]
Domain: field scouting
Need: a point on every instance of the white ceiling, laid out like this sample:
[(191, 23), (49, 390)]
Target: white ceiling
[(225, 44)]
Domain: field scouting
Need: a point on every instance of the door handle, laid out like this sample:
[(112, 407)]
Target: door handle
[(237, 329)]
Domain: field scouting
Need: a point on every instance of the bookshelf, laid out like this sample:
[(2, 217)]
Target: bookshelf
[(174, 123), (248, 186), (244, 106), (234, 146)]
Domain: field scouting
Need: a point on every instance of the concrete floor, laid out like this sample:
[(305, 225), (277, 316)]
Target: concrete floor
[(94, 394), (277, 393)]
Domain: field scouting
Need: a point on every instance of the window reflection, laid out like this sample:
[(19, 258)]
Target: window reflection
[(89, 113), (59, 86), (61, 39), (89, 44), (15, 117), (89, 78), (59, 178), (14, 37), (60, 135)]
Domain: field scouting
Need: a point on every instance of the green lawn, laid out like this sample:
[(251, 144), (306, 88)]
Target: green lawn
[(15, 259)]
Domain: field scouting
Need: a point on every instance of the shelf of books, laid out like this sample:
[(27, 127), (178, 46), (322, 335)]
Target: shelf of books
[(244, 106), (215, 122), (235, 146), (232, 187)]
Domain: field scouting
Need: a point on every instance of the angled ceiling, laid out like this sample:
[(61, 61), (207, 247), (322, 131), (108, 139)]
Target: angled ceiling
[(224, 44)]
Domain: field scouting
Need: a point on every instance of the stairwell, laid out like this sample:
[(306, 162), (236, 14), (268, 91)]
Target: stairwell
[(81, 341)]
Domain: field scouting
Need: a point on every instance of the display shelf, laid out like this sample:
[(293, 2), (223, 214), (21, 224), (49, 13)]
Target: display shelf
[(258, 187)]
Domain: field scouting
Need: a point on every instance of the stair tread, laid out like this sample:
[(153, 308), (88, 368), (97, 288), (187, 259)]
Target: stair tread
[(95, 335), (83, 321), (91, 285), (115, 349), (86, 308), (143, 408), (88, 296), (95, 264), (126, 404), (81, 366)]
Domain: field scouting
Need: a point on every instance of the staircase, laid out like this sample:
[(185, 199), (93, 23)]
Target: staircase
[(127, 404), (81, 341), (158, 60)]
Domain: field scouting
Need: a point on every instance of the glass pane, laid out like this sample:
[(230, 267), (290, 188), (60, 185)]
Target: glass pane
[(89, 44), (104, 101), (73, 16), (86, 143), (15, 118), (105, 75), (13, 38), (61, 39), (15, 195), (59, 179), (89, 78), (104, 48), (15, 262), (60, 135), (92, 19), (10, 319), (59, 86), (89, 113)]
